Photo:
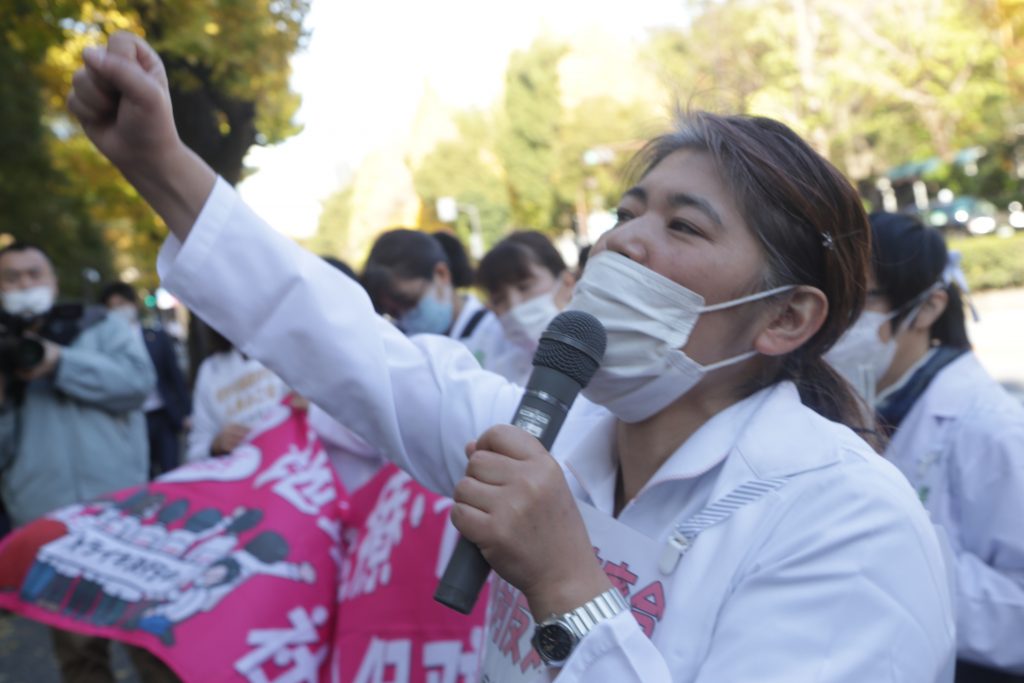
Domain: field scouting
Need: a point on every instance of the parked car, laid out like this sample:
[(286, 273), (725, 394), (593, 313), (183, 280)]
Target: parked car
[(967, 215)]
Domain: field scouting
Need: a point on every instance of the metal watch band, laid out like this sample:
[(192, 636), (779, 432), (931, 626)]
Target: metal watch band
[(588, 615)]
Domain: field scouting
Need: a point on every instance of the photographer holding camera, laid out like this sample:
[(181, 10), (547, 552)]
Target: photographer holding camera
[(72, 384)]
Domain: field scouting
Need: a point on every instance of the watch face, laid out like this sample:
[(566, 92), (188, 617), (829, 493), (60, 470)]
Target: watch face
[(553, 642)]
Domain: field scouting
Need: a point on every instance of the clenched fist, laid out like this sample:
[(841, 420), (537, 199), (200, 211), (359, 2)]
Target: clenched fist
[(122, 100)]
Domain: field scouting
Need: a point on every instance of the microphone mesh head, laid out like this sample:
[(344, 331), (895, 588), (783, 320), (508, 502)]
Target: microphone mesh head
[(574, 345)]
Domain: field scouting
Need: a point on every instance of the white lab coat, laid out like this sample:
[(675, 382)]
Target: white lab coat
[(355, 461), (230, 388), (488, 342), (962, 447), (836, 577)]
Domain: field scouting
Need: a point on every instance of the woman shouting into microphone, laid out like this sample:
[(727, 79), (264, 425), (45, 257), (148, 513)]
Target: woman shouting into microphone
[(723, 521)]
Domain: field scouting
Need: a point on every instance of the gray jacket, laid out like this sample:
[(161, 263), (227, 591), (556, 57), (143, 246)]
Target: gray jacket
[(80, 432)]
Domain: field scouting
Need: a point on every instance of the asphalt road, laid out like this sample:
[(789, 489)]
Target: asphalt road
[(26, 656)]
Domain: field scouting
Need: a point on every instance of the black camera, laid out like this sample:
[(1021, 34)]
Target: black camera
[(18, 352), (61, 324)]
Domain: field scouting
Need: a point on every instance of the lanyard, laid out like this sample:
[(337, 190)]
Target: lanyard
[(722, 509)]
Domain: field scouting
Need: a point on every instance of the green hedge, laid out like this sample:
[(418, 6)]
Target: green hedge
[(991, 262)]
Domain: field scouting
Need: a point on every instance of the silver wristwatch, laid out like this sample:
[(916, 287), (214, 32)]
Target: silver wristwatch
[(555, 638)]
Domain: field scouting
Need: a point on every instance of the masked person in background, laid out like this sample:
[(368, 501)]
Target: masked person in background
[(71, 424), (417, 280), (168, 406), (955, 433), (527, 285), (233, 395)]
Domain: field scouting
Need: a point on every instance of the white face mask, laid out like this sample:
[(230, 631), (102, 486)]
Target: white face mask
[(523, 324), (29, 302), (648, 318), (861, 356)]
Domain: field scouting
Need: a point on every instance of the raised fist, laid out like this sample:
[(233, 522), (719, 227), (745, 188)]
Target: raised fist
[(121, 98)]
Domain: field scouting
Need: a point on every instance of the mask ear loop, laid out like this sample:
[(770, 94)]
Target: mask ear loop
[(757, 296), (916, 305)]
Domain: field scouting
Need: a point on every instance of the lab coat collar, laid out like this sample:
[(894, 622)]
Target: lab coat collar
[(771, 433), (956, 385), (470, 305)]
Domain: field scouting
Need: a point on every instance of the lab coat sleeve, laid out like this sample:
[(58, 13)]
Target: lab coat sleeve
[(988, 481), (616, 650), (418, 401), (205, 425), (844, 589), (838, 591)]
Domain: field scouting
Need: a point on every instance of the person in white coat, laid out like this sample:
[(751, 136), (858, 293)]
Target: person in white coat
[(420, 282), (527, 285), (233, 395), (956, 434), (719, 523)]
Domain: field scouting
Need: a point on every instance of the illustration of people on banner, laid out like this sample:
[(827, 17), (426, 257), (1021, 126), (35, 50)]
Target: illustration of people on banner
[(153, 566)]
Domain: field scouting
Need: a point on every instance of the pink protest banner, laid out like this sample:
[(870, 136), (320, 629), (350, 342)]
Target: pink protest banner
[(226, 570), (397, 542)]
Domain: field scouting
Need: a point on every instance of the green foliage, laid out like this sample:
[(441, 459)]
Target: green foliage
[(332, 233), (991, 262), (228, 66), (871, 84), (38, 201), (528, 144), (596, 142), (467, 169), (525, 168)]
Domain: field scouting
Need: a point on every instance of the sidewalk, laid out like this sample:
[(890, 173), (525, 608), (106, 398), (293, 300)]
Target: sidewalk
[(998, 337)]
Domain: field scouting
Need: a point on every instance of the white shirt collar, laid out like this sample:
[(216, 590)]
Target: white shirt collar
[(767, 431)]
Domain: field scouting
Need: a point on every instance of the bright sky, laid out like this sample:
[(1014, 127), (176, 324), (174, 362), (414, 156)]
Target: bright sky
[(366, 66)]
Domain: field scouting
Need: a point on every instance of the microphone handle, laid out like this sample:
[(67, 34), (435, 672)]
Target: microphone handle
[(541, 413)]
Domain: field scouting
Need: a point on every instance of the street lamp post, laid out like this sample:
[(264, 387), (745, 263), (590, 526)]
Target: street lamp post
[(448, 211)]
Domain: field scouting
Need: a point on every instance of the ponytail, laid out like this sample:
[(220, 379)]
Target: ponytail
[(824, 391), (950, 329)]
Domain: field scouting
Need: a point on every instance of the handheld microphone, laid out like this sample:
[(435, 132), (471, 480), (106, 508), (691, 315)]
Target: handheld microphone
[(567, 357)]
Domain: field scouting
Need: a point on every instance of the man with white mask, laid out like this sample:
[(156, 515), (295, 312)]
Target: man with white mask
[(527, 285), (71, 428)]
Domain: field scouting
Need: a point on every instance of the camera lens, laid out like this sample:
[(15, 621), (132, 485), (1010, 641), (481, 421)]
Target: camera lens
[(28, 353)]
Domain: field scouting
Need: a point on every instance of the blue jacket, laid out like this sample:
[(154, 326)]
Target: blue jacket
[(79, 433), (170, 381)]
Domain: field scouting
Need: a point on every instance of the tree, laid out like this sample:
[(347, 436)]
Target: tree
[(227, 63), (468, 169), (597, 141), (870, 84), (38, 203), (529, 134), (228, 68), (332, 233)]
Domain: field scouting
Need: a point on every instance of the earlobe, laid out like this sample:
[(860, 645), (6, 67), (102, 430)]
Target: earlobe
[(932, 309), (442, 273), (801, 316)]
